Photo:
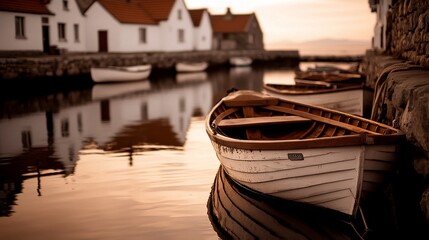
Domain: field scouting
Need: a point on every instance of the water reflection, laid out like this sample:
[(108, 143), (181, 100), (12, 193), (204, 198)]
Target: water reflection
[(45, 135), (237, 213)]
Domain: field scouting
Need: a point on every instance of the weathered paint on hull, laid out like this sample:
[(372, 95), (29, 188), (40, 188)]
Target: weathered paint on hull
[(327, 177)]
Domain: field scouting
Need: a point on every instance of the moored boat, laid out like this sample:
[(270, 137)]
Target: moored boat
[(349, 98), (329, 76), (120, 74), (240, 61), (300, 152), (191, 66)]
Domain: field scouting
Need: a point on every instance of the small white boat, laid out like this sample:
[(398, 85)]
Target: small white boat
[(120, 74), (191, 66), (240, 61), (301, 152)]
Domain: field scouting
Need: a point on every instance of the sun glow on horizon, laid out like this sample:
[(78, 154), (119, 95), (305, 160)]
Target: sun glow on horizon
[(301, 20)]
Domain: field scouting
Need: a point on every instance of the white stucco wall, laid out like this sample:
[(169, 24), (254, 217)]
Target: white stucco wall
[(70, 17), (130, 39), (170, 27), (380, 26), (203, 34), (121, 37), (33, 32)]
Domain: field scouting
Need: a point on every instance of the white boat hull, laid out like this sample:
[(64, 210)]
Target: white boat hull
[(356, 101), (327, 177), (240, 61), (120, 74), (191, 67)]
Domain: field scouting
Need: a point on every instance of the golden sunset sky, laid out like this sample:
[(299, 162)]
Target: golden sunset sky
[(301, 20)]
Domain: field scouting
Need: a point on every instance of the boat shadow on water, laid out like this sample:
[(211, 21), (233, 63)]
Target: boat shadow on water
[(237, 212)]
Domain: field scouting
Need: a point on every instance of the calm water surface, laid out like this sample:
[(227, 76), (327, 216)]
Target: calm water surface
[(118, 161)]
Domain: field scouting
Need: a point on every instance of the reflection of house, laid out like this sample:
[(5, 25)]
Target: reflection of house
[(382, 8), (120, 119), (236, 31), (202, 29), (32, 163)]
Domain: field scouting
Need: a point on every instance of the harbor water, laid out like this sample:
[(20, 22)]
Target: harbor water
[(131, 161)]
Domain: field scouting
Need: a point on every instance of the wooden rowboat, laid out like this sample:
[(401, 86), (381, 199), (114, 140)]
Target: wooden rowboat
[(240, 61), (191, 66), (329, 76), (120, 74), (301, 152), (237, 213), (349, 98)]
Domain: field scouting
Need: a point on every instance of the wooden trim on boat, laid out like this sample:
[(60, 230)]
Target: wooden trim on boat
[(253, 121)]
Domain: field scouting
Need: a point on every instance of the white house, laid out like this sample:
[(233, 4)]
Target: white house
[(23, 26), (67, 26), (203, 32), (176, 24), (382, 8), (138, 26), (101, 26)]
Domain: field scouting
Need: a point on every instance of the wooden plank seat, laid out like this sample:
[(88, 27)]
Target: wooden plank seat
[(254, 121)]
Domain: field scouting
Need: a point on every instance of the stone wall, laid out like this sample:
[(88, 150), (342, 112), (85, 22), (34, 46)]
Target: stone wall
[(408, 31), (401, 100), (13, 68)]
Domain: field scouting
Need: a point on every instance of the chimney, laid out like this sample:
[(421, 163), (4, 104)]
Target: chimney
[(228, 15)]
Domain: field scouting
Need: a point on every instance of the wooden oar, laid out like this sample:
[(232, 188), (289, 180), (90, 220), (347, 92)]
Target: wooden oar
[(320, 119)]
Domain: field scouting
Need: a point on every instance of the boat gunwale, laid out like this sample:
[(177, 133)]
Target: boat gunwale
[(126, 69), (334, 141), (271, 88)]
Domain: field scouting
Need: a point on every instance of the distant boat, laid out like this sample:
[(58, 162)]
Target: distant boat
[(332, 68), (240, 61), (120, 74), (329, 76), (349, 98), (191, 66), (301, 152)]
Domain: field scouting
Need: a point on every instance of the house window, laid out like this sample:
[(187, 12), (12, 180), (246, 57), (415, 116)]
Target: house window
[(144, 112), (181, 35), (66, 5), (45, 20), (62, 31), (26, 139), (79, 122), (76, 32), (19, 27), (251, 39), (142, 34), (65, 128), (179, 14)]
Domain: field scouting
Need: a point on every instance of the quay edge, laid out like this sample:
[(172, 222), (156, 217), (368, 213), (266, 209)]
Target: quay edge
[(58, 66)]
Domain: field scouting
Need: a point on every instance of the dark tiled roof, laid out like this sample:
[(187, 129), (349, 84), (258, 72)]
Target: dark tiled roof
[(127, 11), (197, 15), (159, 10), (230, 23), (24, 6)]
